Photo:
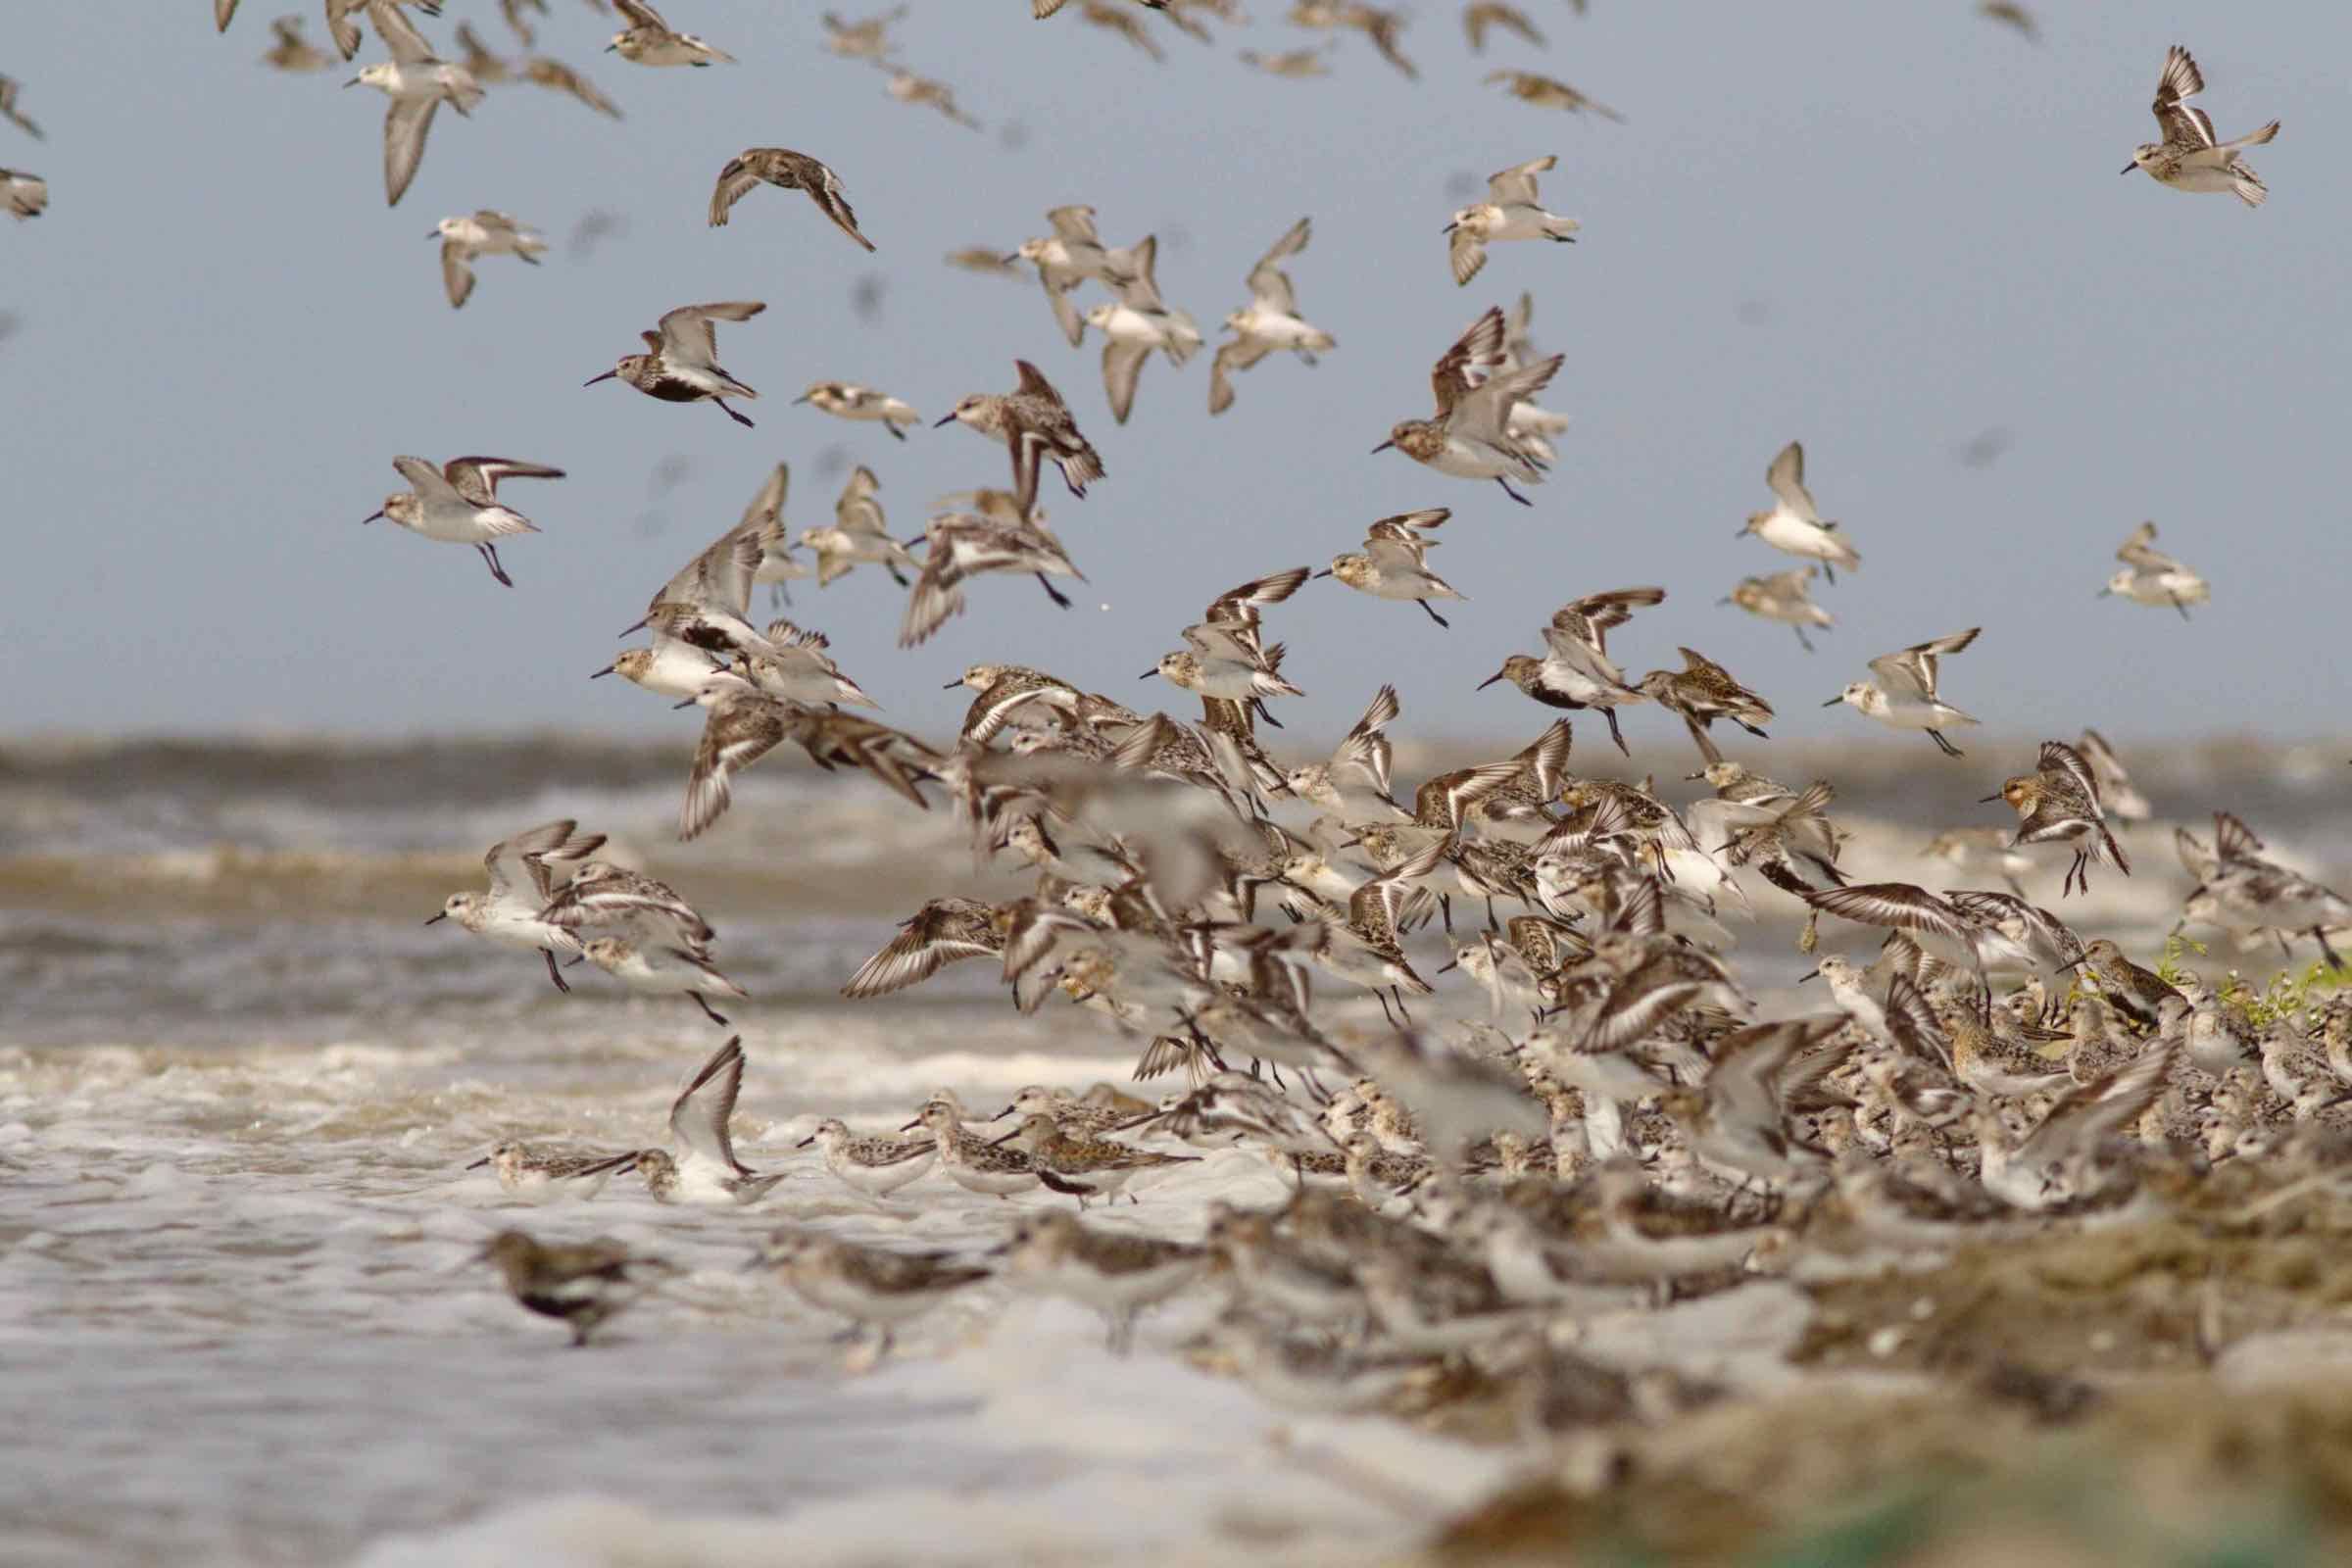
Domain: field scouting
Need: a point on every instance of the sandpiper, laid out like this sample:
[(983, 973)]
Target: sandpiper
[(1391, 565), (1361, 760), (557, 76), (859, 535), (1068, 256), (700, 1166), (1940, 928), (1792, 525), (2188, 158), (2241, 888), (292, 52), (1546, 92), (962, 545), (873, 1287), (485, 233), (1034, 424), (665, 971), (1509, 212), (604, 896), (1135, 325), (1482, 15), (1115, 1273), (417, 82), (1269, 321), (1088, 1167), (344, 29), (10, 87), (1296, 63), (942, 931), (2152, 577), (1470, 438), (648, 40), (1219, 663), (975, 1164), (2116, 792), (511, 915), (1575, 670), (922, 91), (786, 169), (1703, 692), (1785, 597), (846, 400), (539, 1174), (682, 365), (876, 1166), (458, 502), (583, 1283), (1903, 697), (800, 671), (866, 39), (2058, 803)]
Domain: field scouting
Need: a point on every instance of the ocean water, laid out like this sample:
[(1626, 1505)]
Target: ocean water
[(241, 1080)]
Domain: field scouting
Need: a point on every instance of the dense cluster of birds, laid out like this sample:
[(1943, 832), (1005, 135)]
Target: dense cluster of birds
[(1621, 1122)]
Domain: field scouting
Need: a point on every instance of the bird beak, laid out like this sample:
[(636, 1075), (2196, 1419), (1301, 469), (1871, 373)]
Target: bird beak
[(602, 673), (370, 517), (1807, 975), (806, 1142), (577, 962), (1741, 534), (1002, 1114), (1725, 600), (688, 703), (608, 48), (355, 81), (2102, 592), (607, 376), (994, 1142), (1835, 701), (1149, 673), (438, 918), (1324, 573), (937, 423), (479, 1163), (1455, 965), (1384, 446), (912, 1125), (1488, 681), (640, 626), (1988, 800), (436, 234), (804, 397), (2128, 168), (950, 686)]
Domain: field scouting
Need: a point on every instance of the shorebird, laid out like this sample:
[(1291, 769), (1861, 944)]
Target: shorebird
[(1137, 322), (1297, 64), (800, 671), (1269, 321), (1391, 564), (866, 39), (1703, 692), (959, 545), (538, 1175), (604, 896), (557, 76), (921, 91), (2116, 792), (682, 365), (700, 1165), (859, 535), (2058, 803), (1067, 258), (1785, 597), (1111, 1271), (1546, 92), (2152, 577), (1034, 424), (417, 82), (1903, 697), (345, 30), (1575, 670), (9, 89), (2011, 15), (786, 169), (508, 914), (2188, 158), (873, 1287), (846, 400), (662, 971), (292, 52), (1792, 525), (582, 1285), (458, 502), (485, 233), (1940, 928), (876, 1166), (648, 40), (1509, 212), (1471, 437), (23, 195), (1361, 762)]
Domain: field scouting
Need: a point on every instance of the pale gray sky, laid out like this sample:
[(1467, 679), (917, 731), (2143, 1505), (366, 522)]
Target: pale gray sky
[(1884, 228)]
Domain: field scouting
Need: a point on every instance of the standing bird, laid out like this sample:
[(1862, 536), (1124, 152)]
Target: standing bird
[(2058, 803), (1471, 436), (485, 233), (1034, 424), (582, 1284), (649, 41), (2188, 158), (1903, 697), (2152, 577), (458, 502), (1269, 321), (1792, 525), (417, 82), (683, 365), (786, 169), (1509, 212)]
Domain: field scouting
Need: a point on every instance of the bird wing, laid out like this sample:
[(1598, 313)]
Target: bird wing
[(1466, 254), (1518, 183), (456, 276), (405, 123), (1480, 348), (1787, 477), (698, 1116), (406, 44), (641, 14), (1485, 410), (738, 733), (689, 338), (1074, 224), (2140, 550), (2059, 757), (736, 176), (1913, 670), (476, 478), (2181, 79), (1122, 366), (1269, 286), (1238, 355), (426, 480)]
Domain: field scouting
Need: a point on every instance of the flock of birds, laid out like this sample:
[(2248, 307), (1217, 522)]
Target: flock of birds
[(1621, 1124)]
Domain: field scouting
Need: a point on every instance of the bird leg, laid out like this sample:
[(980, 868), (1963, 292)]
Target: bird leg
[(2178, 605), (1803, 641), (1948, 748), (1615, 734), (2318, 934), (1431, 613), (731, 413), (709, 1011), (490, 555), (1513, 494), (554, 973), (1052, 591)]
